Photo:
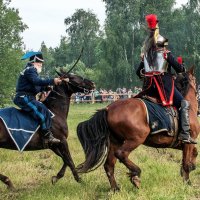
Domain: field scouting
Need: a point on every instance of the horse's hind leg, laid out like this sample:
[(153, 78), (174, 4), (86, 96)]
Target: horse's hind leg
[(122, 154), (109, 168), (7, 181), (64, 153)]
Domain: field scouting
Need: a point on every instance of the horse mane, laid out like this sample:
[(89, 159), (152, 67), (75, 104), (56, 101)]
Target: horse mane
[(182, 83), (57, 97), (149, 48)]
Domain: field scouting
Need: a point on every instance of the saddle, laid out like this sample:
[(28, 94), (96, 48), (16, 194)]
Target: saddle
[(20, 126), (161, 118)]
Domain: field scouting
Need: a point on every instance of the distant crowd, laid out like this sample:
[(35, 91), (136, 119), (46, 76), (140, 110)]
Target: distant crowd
[(103, 95)]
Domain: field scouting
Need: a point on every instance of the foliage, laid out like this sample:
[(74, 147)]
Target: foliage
[(11, 26), (48, 65), (79, 69), (62, 54), (83, 29), (111, 55)]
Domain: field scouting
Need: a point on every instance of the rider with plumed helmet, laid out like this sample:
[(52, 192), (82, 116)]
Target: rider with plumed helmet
[(155, 67), (28, 85)]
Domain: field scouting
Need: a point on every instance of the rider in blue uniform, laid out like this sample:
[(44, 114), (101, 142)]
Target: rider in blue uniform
[(156, 66), (29, 84)]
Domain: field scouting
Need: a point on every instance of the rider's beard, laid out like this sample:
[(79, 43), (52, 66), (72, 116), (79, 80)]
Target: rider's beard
[(38, 67), (39, 70)]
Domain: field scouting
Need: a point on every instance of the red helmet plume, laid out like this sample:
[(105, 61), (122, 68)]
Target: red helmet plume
[(180, 60), (151, 21)]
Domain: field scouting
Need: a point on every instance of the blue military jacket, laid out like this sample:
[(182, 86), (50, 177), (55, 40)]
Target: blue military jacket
[(29, 81)]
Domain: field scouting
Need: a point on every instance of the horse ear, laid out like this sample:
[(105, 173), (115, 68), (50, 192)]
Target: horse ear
[(62, 71), (59, 74), (192, 70)]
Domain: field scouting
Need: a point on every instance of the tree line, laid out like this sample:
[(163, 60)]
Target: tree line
[(112, 52)]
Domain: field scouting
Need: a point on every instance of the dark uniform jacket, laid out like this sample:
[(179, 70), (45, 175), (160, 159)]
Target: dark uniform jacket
[(30, 83), (165, 80)]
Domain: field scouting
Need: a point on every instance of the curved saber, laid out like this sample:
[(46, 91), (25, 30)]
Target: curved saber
[(76, 61)]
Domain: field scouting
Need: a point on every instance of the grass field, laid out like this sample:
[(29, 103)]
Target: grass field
[(31, 172)]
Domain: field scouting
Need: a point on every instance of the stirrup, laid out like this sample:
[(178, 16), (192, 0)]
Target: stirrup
[(187, 140), (53, 140), (49, 139)]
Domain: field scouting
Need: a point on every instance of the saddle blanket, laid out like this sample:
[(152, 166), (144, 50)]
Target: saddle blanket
[(158, 117), (20, 126)]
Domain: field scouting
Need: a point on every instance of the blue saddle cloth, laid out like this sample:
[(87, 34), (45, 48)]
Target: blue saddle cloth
[(19, 125), (158, 117)]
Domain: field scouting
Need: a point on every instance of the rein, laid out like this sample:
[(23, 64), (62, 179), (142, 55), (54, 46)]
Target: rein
[(193, 84), (85, 91)]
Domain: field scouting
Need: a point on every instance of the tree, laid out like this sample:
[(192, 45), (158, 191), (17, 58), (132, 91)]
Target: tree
[(123, 40), (125, 34), (49, 61), (11, 27), (62, 53), (79, 69), (191, 29), (83, 30)]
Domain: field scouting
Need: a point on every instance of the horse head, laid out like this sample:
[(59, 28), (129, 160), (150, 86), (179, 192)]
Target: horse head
[(192, 79), (59, 95), (76, 83), (186, 81)]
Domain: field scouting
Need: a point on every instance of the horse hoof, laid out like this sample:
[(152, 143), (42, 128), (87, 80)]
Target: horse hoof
[(188, 182), (181, 171), (78, 179), (115, 189), (136, 181), (54, 180), (11, 188), (9, 185), (192, 167)]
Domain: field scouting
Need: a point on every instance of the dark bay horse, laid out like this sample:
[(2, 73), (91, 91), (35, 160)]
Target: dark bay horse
[(58, 102), (114, 132)]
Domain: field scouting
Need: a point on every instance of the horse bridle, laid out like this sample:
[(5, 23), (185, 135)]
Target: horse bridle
[(86, 91)]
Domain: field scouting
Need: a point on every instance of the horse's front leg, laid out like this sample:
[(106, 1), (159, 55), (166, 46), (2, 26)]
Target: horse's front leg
[(194, 156), (63, 151), (7, 181), (60, 174), (189, 161)]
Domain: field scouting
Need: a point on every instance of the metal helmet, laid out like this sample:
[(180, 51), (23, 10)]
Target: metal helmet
[(152, 23), (161, 41)]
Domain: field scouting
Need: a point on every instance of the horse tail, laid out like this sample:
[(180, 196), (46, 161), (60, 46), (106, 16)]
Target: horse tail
[(93, 135)]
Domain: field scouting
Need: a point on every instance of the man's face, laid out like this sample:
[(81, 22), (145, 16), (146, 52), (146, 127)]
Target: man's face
[(38, 66)]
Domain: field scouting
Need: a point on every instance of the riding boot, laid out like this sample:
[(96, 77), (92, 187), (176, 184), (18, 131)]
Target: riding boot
[(184, 136), (49, 138)]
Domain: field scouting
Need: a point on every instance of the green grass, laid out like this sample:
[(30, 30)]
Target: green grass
[(31, 172)]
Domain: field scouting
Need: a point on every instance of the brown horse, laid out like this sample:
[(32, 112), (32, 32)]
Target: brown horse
[(114, 132), (58, 102)]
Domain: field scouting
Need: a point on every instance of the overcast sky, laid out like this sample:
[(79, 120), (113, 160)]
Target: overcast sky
[(45, 18)]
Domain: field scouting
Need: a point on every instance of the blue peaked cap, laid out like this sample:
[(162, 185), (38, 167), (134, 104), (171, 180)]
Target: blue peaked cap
[(30, 54)]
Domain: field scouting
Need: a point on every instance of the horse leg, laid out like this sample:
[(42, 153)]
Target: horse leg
[(193, 159), (122, 154), (109, 168), (188, 162), (64, 153), (7, 181)]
